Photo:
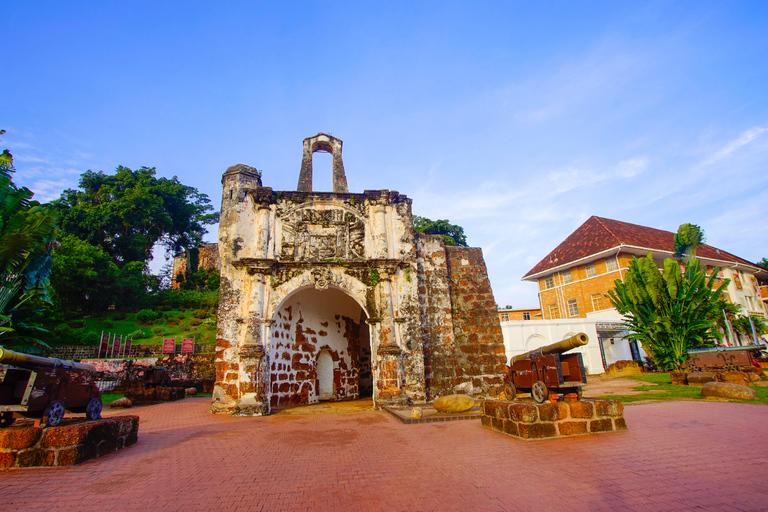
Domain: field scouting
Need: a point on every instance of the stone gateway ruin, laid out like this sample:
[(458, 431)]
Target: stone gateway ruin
[(334, 296)]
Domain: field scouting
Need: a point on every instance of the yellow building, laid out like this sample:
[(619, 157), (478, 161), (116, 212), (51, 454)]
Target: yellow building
[(575, 277), (507, 314)]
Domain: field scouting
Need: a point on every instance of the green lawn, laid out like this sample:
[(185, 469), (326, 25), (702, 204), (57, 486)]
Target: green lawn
[(175, 323), (663, 383)]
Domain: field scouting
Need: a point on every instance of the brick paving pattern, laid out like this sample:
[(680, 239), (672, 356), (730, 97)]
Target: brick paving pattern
[(676, 456)]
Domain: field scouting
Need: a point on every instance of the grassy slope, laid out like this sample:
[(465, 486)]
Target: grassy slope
[(177, 323), (670, 391)]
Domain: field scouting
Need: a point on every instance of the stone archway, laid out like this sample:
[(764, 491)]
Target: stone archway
[(312, 330)]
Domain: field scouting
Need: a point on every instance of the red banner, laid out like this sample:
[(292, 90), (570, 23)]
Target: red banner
[(104, 348), (116, 345), (187, 345), (169, 345), (128, 347)]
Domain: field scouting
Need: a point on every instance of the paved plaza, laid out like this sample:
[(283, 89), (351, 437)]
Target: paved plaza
[(675, 456)]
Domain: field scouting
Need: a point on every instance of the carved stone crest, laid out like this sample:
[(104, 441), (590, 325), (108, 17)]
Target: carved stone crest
[(321, 277), (311, 234)]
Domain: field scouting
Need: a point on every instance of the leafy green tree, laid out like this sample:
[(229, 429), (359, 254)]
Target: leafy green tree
[(27, 240), (451, 233), (688, 239), (668, 313), (128, 212), (763, 263)]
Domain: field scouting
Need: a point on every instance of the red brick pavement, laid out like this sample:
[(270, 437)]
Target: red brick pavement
[(676, 456)]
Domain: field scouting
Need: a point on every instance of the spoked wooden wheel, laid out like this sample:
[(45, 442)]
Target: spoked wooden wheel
[(53, 413), (539, 392), (93, 409), (509, 390)]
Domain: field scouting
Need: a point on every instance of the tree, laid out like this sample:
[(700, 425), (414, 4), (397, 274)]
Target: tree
[(668, 313), (451, 233), (128, 212), (763, 263), (27, 239), (688, 239)]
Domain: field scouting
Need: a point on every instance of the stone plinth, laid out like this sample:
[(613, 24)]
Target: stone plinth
[(27, 446), (529, 420)]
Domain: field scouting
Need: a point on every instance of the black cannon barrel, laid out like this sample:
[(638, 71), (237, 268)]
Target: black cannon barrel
[(31, 362), (567, 344)]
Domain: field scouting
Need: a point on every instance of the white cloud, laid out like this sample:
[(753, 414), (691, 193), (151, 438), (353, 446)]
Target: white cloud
[(745, 138)]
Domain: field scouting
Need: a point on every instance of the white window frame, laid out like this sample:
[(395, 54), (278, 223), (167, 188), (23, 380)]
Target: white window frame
[(549, 282), (593, 268), (611, 265), (573, 308), (599, 302), (567, 276), (505, 317)]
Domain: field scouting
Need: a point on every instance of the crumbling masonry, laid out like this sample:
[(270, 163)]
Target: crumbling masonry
[(333, 296)]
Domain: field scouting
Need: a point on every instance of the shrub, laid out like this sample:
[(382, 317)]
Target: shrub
[(195, 321), (62, 330), (157, 331), (181, 316), (107, 324), (138, 334), (145, 316), (84, 337), (200, 313), (77, 323)]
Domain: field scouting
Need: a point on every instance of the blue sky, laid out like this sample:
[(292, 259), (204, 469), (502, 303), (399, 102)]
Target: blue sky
[(516, 120)]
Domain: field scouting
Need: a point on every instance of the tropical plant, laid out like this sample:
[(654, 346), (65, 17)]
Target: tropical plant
[(451, 233), (668, 312), (27, 239), (688, 239)]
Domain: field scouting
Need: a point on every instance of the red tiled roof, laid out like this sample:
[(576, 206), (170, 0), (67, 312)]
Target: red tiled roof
[(598, 234)]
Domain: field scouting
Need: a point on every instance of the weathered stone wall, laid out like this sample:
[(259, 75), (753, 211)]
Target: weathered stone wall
[(474, 362), (80, 352), (205, 256)]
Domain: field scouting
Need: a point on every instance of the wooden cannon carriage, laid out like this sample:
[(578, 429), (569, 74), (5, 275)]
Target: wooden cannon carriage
[(547, 370), (40, 387)]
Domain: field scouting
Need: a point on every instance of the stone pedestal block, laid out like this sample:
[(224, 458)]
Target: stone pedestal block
[(540, 421), (26, 446)]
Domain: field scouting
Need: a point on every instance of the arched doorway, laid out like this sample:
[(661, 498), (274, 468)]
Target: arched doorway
[(319, 348)]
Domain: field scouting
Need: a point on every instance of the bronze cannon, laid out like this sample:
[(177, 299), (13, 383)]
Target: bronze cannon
[(547, 370), (41, 387)]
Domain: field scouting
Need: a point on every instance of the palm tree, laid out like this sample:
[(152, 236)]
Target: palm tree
[(688, 239)]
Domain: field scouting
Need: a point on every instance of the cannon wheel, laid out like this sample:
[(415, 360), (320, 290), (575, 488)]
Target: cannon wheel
[(539, 392), (93, 409), (54, 413), (7, 419), (509, 390)]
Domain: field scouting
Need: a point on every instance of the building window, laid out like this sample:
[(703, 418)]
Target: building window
[(549, 282), (591, 270), (505, 317), (553, 311), (567, 277), (573, 308), (611, 265), (526, 316), (597, 302)]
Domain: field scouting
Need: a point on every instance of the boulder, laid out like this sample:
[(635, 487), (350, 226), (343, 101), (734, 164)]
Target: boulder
[(416, 413), (190, 391), (454, 403), (122, 402), (728, 390)]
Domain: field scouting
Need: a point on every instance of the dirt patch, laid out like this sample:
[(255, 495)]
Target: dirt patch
[(601, 386)]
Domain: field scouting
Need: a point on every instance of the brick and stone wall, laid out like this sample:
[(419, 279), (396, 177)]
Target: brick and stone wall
[(477, 354), (25, 446), (539, 421), (79, 352), (205, 256)]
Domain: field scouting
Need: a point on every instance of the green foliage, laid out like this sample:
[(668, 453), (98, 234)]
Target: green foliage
[(451, 233), (763, 263), (145, 316), (373, 276), (27, 240), (668, 313), (408, 274), (128, 212), (688, 239), (138, 334)]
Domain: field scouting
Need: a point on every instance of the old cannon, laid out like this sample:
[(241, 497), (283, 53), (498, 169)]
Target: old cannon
[(729, 359), (40, 387), (547, 370)]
